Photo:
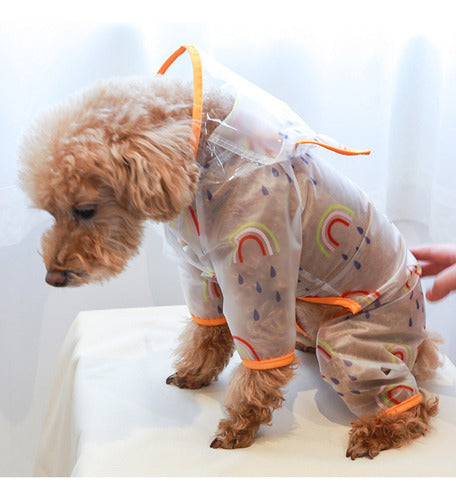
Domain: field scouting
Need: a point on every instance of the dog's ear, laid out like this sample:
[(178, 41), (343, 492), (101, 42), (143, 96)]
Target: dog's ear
[(155, 173)]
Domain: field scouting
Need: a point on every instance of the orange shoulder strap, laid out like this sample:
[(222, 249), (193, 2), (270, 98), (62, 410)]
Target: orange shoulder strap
[(197, 87)]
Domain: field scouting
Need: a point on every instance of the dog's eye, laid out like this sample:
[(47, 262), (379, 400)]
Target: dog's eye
[(85, 213)]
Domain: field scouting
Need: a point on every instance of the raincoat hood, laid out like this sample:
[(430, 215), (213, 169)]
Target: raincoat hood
[(259, 126)]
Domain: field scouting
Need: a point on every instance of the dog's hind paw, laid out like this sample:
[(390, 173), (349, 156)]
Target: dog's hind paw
[(369, 435), (364, 442), (187, 381)]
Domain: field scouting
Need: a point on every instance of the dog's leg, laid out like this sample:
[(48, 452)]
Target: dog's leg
[(429, 359), (309, 318), (370, 435), (203, 353), (251, 399)]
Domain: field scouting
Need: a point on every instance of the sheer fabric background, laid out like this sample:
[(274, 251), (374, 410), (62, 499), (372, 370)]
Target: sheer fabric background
[(390, 89)]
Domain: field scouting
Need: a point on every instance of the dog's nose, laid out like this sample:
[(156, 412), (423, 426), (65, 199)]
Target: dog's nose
[(56, 278)]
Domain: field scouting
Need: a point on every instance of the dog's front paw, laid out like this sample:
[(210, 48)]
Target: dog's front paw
[(187, 381), (231, 435)]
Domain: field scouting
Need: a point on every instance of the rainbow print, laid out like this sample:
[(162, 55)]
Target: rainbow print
[(325, 349), (412, 270), (258, 232), (386, 398), (245, 350), (210, 290), (304, 342), (403, 352), (335, 214), (190, 221)]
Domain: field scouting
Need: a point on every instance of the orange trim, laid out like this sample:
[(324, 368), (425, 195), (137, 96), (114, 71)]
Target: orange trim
[(197, 113), (267, 364), (404, 406), (300, 330), (349, 304), (347, 152), (164, 67), (208, 321)]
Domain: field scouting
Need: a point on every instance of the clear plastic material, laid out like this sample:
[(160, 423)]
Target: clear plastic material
[(271, 224), (259, 127)]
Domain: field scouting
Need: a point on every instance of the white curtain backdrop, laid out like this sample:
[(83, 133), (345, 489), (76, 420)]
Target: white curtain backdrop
[(388, 86)]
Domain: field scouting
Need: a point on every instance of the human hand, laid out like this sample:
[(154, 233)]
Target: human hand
[(438, 261)]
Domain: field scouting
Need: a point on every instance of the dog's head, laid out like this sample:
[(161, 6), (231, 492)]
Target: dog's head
[(103, 163)]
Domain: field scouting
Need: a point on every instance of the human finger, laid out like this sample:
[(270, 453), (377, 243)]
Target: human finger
[(443, 254), (431, 268), (444, 283)]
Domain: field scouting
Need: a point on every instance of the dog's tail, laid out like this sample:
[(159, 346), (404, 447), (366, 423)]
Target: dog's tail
[(430, 357)]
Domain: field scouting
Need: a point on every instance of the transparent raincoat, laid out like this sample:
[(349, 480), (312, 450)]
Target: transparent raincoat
[(271, 224)]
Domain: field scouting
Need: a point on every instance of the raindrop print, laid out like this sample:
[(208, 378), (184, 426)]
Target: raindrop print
[(410, 322), (345, 257), (355, 392), (368, 241), (206, 165), (347, 362), (411, 295), (368, 315), (290, 180), (220, 310), (273, 272), (240, 280), (352, 378), (313, 180), (256, 316), (275, 172), (417, 304), (265, 191), (357, 264), (335, 380), (360, 230), (278, 297), (209, 195), (258, 287)]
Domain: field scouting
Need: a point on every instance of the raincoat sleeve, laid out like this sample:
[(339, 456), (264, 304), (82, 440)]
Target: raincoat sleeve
[(256, 264), (202, 294)]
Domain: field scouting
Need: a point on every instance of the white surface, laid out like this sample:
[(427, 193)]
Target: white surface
[(111, 414)]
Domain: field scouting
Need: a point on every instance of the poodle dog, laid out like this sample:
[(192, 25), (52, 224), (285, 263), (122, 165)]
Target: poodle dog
[(119, 154)]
